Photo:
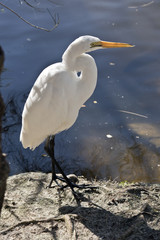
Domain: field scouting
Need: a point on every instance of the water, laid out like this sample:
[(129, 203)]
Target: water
[(106, 141)]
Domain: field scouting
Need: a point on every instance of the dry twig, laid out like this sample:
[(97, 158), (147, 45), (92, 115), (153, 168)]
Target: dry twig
[(66, 218)]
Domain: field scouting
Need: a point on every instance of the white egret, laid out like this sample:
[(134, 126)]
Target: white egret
[(56, 97)]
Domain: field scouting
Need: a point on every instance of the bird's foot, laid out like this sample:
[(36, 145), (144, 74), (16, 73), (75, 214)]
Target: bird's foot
[(55, 179), (72, 180), (77, 195), (72, 184)]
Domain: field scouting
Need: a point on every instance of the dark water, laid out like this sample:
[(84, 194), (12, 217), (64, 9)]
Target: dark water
[(105, 141)]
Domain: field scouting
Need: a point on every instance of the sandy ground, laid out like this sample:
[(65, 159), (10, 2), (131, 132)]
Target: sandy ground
[(112, 211)]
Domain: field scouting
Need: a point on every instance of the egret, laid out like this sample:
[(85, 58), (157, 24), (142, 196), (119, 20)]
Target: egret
[(57, 95)]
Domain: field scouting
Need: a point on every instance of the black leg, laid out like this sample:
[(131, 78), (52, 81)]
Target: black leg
[(49, 148)]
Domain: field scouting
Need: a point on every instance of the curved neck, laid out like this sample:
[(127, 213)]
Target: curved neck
[(88, 78), (76, 62), (70, 55)]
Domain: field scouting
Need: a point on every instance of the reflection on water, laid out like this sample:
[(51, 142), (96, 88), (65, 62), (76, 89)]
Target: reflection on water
[(135, 163), (140, 163), (106, 141), (150, 132)]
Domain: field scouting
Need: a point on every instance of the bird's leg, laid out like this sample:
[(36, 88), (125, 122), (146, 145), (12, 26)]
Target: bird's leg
[(49, 147)]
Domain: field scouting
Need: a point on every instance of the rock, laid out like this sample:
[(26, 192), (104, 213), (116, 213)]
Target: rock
[(111, 211)]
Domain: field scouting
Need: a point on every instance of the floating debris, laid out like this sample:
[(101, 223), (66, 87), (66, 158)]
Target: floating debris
[(109, 136), (132, 113), (112, 64)]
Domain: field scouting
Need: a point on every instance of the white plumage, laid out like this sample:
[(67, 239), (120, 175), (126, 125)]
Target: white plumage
[(55, 99)]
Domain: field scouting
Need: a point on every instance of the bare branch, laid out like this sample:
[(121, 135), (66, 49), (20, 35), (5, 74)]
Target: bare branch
[(55, 19), (32, 6), (28, 4)]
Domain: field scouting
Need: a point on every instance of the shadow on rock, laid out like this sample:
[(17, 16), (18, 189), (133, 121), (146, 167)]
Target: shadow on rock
[(106, 225)]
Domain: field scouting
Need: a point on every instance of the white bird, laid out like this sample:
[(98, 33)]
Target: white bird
[(59, 92)]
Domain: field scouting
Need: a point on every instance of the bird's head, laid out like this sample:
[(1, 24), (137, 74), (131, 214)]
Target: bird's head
[(86, 44), (91, 43)]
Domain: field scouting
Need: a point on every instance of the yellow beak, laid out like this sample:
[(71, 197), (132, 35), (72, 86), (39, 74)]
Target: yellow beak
[(114, 44)]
